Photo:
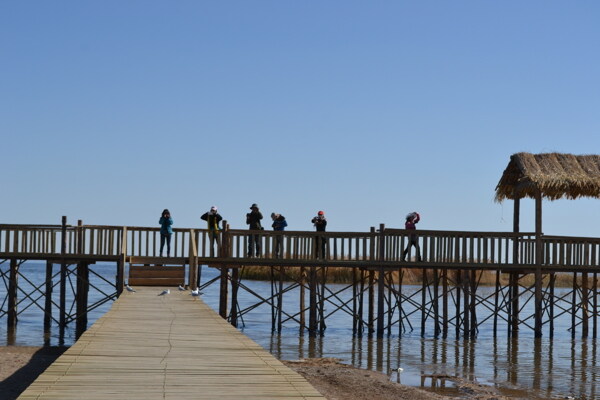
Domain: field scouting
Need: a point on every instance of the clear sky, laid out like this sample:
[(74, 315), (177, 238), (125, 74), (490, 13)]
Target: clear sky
[(111, 111)]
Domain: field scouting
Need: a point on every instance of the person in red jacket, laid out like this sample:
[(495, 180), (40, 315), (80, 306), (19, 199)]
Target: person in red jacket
[(413, 240)]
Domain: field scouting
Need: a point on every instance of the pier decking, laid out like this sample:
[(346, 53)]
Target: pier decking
[(166, 347)]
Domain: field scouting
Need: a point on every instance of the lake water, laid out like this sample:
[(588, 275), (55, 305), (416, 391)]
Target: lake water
[(522, 367)]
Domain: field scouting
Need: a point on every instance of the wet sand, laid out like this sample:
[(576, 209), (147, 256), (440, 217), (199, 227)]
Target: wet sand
[(21, 365)]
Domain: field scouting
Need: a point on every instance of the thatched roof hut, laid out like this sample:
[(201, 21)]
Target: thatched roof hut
[(552, 175)]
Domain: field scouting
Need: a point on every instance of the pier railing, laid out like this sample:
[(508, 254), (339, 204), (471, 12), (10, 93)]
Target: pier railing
[(377, 245)]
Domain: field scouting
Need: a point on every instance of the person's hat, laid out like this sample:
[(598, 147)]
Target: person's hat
[(320, 213), (213, 208), (254, 205)]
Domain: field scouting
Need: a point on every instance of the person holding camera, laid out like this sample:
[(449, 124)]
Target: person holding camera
[(253, 220), (166, 231), (320, 223), (212, 219), (413, 240)]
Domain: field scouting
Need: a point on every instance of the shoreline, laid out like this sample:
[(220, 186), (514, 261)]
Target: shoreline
[(21, 365)]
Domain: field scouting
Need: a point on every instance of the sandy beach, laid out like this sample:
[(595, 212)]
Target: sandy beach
[(21, 365)]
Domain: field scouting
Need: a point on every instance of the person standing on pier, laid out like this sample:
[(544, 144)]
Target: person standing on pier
[(279, 224), (413, 240), (212, 218), (253, 220), (166, 231), (320, 223)]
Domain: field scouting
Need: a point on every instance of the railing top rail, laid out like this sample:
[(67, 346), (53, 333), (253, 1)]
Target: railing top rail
[(570, 238), (456, 233), (31, 226)]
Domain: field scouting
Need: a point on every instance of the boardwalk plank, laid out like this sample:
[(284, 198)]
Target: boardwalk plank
[(166, 347)]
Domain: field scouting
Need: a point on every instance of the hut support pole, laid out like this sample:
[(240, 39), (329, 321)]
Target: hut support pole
[(595, 306), (551, 315), (538, 265), (381, 284)]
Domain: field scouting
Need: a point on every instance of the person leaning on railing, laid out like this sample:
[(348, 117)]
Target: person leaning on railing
[(166, 231), (212, 219)]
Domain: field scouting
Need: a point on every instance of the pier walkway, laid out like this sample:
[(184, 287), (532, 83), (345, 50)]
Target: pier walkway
[(166, 347)]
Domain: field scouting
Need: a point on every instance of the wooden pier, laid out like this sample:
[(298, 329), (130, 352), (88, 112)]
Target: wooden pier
[(166, 347)]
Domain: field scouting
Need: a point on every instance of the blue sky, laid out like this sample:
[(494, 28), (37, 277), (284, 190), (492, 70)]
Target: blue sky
[(111, 111)]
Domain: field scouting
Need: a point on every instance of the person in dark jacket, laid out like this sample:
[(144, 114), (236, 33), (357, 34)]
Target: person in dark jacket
[(212, 219), (279, 224), (320, 223), (166, 231), (253, 220), (413, 240)]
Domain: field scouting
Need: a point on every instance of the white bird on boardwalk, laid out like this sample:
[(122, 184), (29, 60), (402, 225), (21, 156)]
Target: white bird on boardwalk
[(130, 289), (166, 291), (181, 288), (196, 292)]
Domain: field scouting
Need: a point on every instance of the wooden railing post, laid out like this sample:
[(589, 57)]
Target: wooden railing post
[(193, 260), (120, 281)]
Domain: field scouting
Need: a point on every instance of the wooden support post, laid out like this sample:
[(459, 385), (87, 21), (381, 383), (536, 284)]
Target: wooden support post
[(234, 294), (381, 284), (193, 259), (354, 300), (371, 301), (595, 305), (436, 306), (551, 316), (445, 303), (63, 277), (538, 265), (574, 306), (280, 300), (473, 304), (81, 298), (302, 299), (466, 305), (48, 298), (322, 324), (312, 302), (424, 284), (223, 292), (584, 305), (514, 304), (13, 282), (458, 286), (496, 299), (361, 300)]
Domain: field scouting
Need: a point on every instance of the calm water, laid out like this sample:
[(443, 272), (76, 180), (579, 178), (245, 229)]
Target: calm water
[(523, 367)]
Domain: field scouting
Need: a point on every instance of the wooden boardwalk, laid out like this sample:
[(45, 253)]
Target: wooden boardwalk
[(166, 347)]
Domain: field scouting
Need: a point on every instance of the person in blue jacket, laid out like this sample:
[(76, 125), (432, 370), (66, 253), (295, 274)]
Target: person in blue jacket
[(166, 231), (279, 224)]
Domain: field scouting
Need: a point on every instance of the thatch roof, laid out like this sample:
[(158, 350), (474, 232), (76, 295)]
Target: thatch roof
[(556, 175)]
